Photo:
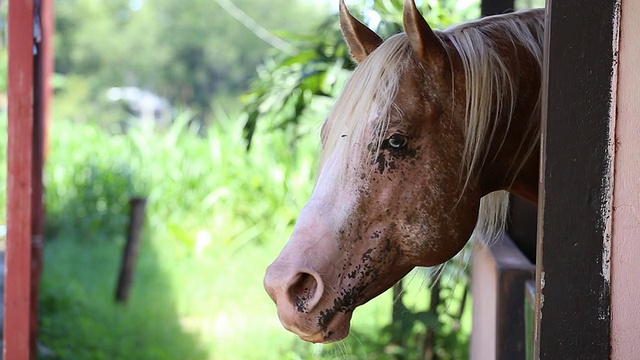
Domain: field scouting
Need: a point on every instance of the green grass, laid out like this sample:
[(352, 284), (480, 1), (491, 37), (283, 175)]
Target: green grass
[(79, 319)]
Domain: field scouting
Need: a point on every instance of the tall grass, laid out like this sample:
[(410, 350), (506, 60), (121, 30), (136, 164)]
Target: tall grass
[(197, 186)]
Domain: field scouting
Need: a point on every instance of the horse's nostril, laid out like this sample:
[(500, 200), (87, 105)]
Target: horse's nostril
[(305, 291)]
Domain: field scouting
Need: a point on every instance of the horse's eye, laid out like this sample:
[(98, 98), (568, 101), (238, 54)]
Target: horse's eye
[(397, 141)]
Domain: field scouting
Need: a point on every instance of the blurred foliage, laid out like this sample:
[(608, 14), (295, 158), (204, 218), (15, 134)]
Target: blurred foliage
[(3, 71), (181, 172), (3, 166), (433, 331), (87, 187), (189, 52), (79, 320), (288, 85)]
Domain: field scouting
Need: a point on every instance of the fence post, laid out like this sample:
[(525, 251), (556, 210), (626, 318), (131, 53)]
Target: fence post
[(130, 254)]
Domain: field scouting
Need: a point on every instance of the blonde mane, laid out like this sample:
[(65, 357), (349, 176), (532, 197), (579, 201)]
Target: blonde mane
[(367, 99), (491, 87), (491, 77)]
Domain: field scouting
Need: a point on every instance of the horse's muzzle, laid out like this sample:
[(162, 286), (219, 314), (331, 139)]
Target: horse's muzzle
[(297, 293)]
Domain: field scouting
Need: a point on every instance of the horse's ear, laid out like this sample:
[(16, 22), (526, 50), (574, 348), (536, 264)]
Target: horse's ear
[(360, 39), (424, 41)]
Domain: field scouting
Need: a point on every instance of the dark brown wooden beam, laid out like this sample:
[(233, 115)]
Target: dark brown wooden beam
[(513, 270), (572, 302), (494, 7)]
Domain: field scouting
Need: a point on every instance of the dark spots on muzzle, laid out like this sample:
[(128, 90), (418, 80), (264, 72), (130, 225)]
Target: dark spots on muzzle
[(345, 302), (366, 257), (365, 273), (381, 162)]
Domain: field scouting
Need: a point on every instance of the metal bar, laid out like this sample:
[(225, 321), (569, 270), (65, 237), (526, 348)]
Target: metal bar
[(19, 181)]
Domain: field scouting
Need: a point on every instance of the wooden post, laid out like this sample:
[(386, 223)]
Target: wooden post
[(499, 273), (130, 254), (494, 7), (20, 180), (574, 232)]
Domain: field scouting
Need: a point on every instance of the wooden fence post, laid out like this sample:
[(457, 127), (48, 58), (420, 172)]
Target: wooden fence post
[(130, 254), (20, 180)]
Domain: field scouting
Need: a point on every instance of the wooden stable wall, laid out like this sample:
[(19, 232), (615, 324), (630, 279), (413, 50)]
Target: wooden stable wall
[(588, 295), (625, 234), (578, 116)]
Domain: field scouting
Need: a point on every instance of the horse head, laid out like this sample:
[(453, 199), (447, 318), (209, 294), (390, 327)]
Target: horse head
[(393, 190)]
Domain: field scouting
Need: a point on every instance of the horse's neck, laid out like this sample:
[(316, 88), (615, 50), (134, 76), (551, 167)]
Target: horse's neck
[(512, 162), (517, 159)]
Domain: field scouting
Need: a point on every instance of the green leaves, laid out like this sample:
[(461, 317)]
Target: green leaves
[(288, 86), (195, 183), (189, 52)]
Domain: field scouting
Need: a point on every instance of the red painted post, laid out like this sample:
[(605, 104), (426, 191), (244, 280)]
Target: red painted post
[(19, 181)]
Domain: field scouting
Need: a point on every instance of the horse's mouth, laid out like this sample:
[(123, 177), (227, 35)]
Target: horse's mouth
[(335, 329), (333, 324)]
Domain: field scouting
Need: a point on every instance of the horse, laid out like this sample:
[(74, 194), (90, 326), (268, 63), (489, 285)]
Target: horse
[(421, 149)]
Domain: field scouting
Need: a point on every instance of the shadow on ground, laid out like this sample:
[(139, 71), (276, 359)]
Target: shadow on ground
[(80, 320)]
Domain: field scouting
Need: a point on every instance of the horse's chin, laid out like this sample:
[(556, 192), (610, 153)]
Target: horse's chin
[(335, 330), (338, 324)]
